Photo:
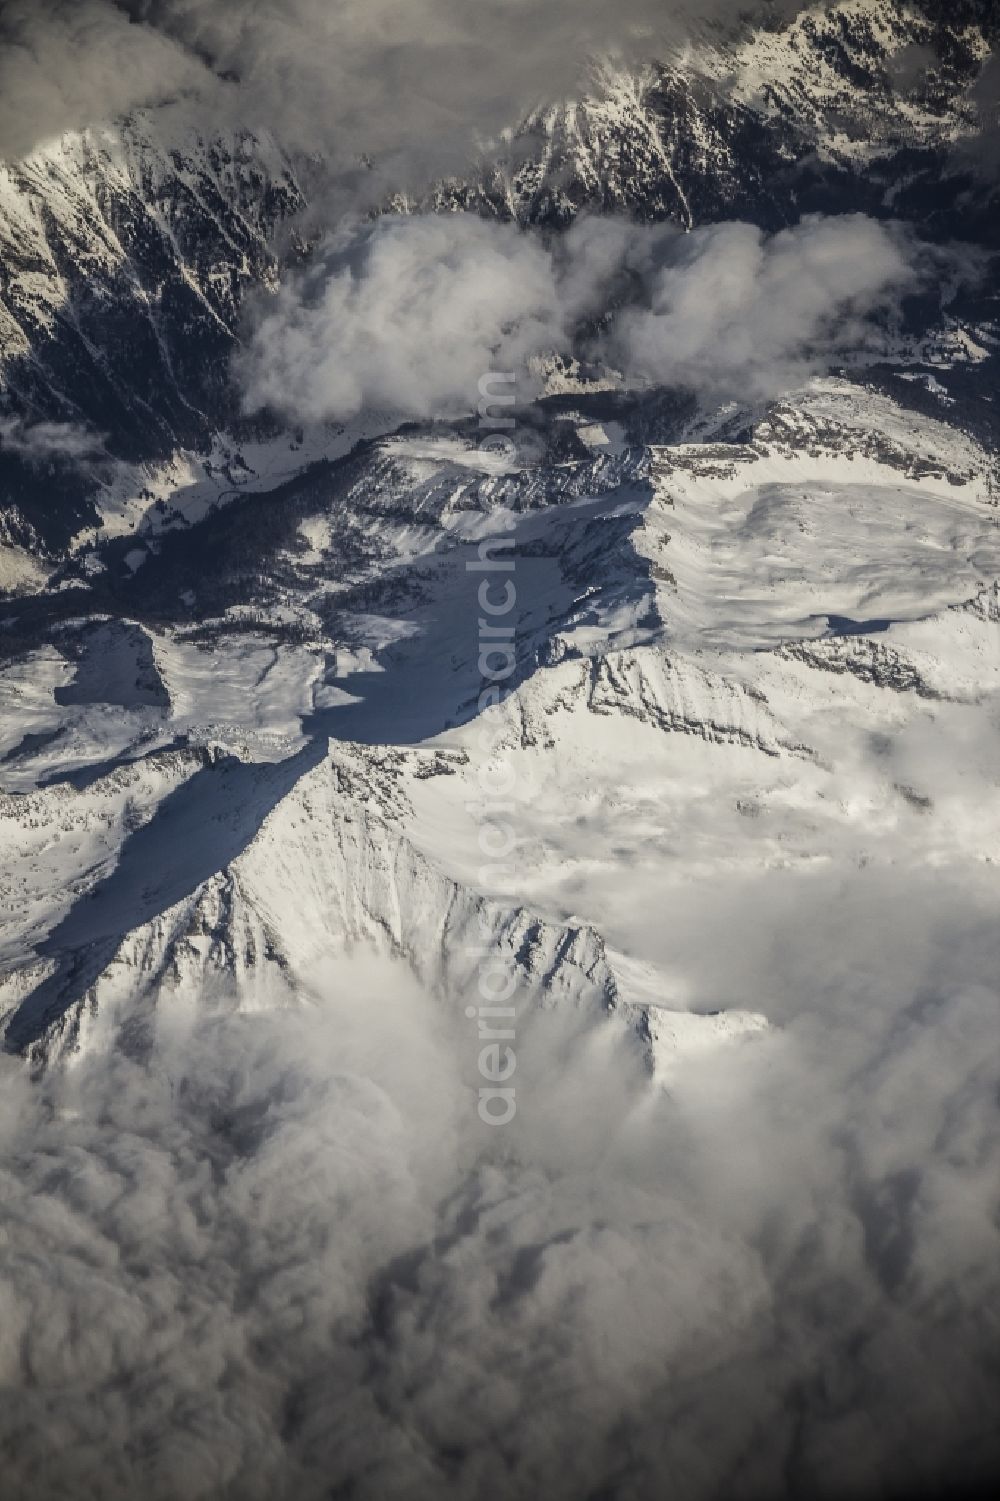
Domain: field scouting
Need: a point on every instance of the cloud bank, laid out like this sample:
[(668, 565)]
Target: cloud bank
[(279, 1258), (66, 64), (413, 84), (407, 313)]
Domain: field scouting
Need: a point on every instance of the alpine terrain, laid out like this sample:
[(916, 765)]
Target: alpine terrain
[(667, 687)]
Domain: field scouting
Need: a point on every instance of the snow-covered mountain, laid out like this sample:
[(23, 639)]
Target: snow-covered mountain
[(729, 656), (197, 612), (858, 105)]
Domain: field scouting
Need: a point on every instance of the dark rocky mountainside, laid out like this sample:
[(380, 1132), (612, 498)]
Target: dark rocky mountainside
[(878, 108), (125, 255)]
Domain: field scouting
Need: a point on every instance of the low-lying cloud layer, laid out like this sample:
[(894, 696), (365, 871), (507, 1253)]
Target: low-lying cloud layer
[(408, 313), (280, 1258)]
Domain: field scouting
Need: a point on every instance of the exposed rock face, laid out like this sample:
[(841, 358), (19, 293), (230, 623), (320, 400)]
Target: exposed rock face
[(125, 254), (823, 115)]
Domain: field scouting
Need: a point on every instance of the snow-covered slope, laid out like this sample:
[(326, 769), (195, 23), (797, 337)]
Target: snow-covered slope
[(256, 874), (730, 658)]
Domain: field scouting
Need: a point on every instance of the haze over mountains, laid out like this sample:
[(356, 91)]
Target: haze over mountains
[(741, 1238)]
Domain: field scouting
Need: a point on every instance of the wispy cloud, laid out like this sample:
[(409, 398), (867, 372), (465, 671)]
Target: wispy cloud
[(40, 442)]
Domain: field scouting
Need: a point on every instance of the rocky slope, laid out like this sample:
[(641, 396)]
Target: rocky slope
[(850, 106), (125, 254)]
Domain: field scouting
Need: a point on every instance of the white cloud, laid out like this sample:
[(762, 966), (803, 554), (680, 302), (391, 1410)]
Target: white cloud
[(409, 312), (415, 84), (734, 311), (406, 314)]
